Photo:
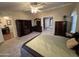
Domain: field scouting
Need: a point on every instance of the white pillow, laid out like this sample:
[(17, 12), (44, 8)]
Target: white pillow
[(71, 43)]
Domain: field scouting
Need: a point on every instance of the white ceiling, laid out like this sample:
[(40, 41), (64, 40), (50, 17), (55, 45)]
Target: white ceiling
[(25, 6)]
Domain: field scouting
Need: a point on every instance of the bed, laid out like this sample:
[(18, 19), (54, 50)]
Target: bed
[(47, 46)]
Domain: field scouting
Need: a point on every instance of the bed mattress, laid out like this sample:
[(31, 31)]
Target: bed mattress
[(49, 46)]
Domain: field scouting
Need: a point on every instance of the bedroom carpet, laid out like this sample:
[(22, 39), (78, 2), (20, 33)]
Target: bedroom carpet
[(11, 48)]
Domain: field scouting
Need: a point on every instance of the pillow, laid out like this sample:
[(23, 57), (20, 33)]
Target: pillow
[(69, 34), (71, 43)]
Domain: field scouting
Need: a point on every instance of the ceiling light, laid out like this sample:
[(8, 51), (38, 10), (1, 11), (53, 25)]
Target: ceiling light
[(34, 10), (6, 17), (35, 7)]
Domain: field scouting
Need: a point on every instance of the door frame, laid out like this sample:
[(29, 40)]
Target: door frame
[(51, 18)]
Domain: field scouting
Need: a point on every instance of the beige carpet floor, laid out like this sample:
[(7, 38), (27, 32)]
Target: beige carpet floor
[(11, 48)]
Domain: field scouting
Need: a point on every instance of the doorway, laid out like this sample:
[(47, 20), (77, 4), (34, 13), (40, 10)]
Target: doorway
[(47, 23)]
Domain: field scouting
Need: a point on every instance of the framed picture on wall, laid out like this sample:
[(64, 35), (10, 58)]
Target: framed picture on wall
[(8, 22)]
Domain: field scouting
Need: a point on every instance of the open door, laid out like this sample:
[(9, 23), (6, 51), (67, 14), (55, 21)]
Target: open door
[(47, 22)]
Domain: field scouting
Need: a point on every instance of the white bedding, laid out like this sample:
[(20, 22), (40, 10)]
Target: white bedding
[(48, 45)]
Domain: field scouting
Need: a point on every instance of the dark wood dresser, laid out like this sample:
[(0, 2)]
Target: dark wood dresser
[(24, 27), (6, 33)]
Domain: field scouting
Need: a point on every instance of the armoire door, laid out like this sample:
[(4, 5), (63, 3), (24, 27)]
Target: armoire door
[(27, 26), (23, 27), (18, 27), (60, 28)]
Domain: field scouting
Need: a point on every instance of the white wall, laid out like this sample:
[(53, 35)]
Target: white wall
[(1, 36), (12, 26), (57, 14), (14, 15), (77, 9)]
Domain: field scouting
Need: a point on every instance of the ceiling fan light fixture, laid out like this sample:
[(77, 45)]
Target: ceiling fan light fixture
[(34, 10), (35, 7)]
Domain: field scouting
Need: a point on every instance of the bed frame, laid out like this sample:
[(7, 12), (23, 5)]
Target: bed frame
[(31, 51), (36, 54)]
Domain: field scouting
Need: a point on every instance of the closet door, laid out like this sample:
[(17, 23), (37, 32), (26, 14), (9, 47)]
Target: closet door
[(60, 28), (23, 27), (18, 27), (27, 26)]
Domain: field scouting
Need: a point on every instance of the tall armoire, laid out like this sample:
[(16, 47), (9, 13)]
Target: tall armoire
[(23, 27)]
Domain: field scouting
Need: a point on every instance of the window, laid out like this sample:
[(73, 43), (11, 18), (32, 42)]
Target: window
[(74, 22)]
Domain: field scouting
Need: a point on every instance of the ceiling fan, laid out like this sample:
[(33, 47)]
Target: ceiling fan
[(36, 6)]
